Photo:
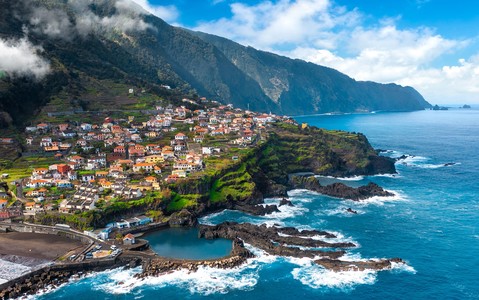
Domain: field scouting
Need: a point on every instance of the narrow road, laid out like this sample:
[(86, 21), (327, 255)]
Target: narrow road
[(19, 194)]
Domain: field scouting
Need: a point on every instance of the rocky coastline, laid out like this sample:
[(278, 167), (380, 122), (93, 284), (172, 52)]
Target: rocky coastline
[(255, 205), (372, 264), (338, 190), (289, 241)]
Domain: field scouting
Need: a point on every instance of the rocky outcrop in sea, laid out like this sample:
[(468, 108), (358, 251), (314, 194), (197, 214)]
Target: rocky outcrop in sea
[(290, 242), (338, 190)]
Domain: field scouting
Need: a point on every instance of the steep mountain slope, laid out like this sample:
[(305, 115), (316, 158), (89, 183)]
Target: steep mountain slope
[(300, 87), (86, 45)]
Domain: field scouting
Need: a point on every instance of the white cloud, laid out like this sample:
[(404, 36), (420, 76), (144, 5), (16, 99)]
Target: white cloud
[(54, 23), (127, 18), (268, 25), (383, 54), (322, 32), (168, 13), (20, 58), (387, 54)]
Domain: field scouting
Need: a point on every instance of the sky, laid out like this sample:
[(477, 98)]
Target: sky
[(431, 45)]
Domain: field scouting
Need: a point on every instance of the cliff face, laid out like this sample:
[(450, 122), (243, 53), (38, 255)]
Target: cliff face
[(84, 60), (298, 87)]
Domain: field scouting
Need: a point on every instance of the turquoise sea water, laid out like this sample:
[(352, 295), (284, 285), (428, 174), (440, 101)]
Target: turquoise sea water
[(184, 243), (432, 223)]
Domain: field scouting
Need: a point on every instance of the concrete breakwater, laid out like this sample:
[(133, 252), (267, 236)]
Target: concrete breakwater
[(56, 275)]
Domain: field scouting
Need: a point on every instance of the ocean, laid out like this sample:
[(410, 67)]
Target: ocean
[(432, 223)]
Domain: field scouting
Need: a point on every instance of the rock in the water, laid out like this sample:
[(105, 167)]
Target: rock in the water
[(350, 210), (339, 190), (289, 241), (341, 266), (276, 241), (285, 201), (257, 210), (402, 157)]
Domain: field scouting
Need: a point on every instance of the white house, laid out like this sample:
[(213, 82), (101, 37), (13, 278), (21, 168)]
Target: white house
[(181, 137), (86, 126), (87, 177), (148, 167), (129, 239)]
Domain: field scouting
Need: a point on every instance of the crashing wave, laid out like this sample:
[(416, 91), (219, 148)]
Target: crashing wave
[(317, 277), (352, 178)]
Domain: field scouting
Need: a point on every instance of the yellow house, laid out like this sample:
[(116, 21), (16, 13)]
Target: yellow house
[(151, 134), (106, 184), (153, 159)]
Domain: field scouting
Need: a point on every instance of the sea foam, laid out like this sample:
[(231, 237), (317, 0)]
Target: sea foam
[(318, 277), (205, 281), (352, 178), (10, 270), (381, 200)]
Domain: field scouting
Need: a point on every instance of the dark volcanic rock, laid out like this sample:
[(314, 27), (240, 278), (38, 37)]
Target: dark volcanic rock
[(339, 265), (257, 210), (183, 218), (285, 201), (286, 241), (339, 190), (270, 240), (380, 165), (404, 156), (350, 210), (307, 233)]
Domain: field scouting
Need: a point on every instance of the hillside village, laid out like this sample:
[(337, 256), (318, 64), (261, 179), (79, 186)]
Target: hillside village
[(122, 159)]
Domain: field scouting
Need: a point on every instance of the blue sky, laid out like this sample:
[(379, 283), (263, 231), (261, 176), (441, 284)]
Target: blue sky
[(431, 45)]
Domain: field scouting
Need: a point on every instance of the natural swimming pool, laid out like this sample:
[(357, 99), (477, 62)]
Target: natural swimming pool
[(183, 243)]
